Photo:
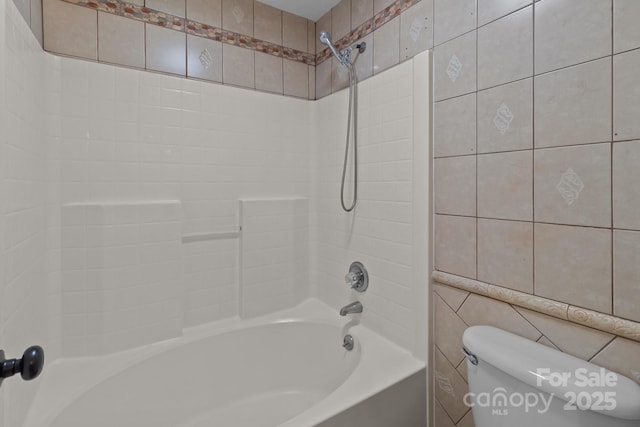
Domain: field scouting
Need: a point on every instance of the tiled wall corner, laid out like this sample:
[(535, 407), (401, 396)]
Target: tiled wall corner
[(394, 31), (541, 96), (31, 12)]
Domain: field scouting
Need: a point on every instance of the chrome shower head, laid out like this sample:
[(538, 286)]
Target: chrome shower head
[(325, 38)]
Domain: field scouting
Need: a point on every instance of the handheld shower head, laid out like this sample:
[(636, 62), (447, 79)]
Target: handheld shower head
[(325, 38)]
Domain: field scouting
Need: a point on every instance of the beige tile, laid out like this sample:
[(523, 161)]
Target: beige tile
[(545, 341), (341, 19), (505, 185), (626, 34), (166, 50), (312, 35), (454, 297), (448, 330), (296, 79), (626, 92), (416, 29), (323, 24), (361, 11), (568, 337), (626, 192), (453, 18), (455, 245), (204, 58), (70, 30), (462, 370), (267, 23), (489, 10), (455, 126), (479, 310), (505, 117), (312, 82), (450, 388), (238, 66), (455, 185), (269, 73), (567, 35), (573, 265), (120, 40), (467, 420), (455, 67), (621, 356), (573, 185), (505, 49), (237, 15), (386, 46), (364, 61), (566, 113), (339, 75), (323, 79), (295, 32), (205, 11), (172, 7), (441, 417), (626, 271), (380, 5), (505, 254)]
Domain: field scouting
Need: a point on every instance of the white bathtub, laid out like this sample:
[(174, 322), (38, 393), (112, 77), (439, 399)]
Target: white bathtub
[(287, 369)]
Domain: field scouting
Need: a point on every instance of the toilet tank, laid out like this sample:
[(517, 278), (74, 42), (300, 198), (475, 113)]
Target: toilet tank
[(515, 382)]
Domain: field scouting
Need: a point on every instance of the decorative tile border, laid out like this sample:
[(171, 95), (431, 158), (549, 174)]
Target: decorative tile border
[(592, 319), (166, 20), (161, 19), (368, 27)]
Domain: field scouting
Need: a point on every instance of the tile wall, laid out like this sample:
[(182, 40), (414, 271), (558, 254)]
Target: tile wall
[(535, 165), (23, 284), (385, 232), (241, 43)]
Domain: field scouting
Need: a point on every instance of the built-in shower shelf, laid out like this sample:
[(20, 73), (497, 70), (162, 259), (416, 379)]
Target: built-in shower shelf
[(204, 237)]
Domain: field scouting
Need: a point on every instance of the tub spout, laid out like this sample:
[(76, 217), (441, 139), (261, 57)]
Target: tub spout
[(354, 307)]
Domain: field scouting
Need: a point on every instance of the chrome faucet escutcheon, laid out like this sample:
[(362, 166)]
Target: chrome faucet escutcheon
[(354, 307)]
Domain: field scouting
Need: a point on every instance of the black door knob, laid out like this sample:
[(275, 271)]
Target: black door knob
[(29, 367), (32, 363)]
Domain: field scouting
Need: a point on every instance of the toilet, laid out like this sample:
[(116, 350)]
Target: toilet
[(515, 382)]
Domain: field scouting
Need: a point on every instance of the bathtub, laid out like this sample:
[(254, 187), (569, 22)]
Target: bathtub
[(287, 369)]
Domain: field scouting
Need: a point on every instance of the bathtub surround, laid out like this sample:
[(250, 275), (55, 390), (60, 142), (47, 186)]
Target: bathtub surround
[(533, 186), (241, 43), (84, 135)]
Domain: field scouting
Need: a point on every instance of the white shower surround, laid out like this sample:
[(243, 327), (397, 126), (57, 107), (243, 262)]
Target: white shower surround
[(96, 133)]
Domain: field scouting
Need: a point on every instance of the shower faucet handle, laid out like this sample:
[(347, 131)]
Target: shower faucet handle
[(29, 366), (357, 277)]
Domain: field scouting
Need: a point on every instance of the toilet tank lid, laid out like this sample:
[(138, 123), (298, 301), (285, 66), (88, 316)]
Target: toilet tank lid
[(554, 372)]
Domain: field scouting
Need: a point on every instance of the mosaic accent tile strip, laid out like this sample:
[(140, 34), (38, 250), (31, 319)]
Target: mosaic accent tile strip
[(161, 19), (368, 27), (155, 17), (592, 319)]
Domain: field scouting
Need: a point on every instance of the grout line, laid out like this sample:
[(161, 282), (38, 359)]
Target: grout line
[(533, 156)]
